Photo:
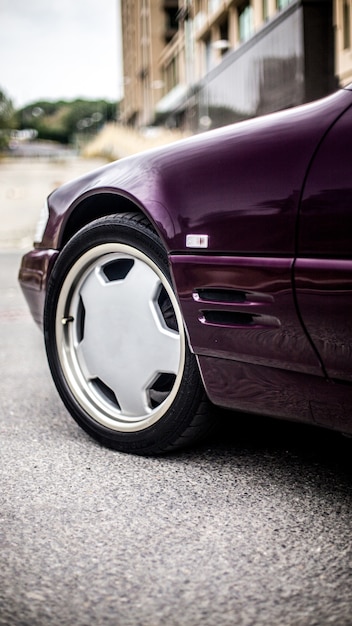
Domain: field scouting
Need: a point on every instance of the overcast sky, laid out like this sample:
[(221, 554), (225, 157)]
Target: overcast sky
[(60, 49)]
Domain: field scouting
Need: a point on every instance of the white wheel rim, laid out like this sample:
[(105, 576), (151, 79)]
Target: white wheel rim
[(121, 355)]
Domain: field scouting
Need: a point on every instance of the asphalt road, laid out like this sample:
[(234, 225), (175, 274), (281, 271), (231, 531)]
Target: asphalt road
[(252, 528), (24, 185)]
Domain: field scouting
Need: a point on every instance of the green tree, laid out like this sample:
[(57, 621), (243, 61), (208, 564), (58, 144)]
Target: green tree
[(88, 115), (7, 120), (62, 121)]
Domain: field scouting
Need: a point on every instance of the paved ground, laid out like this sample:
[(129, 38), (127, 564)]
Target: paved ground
[(24, 186), (253, 528)]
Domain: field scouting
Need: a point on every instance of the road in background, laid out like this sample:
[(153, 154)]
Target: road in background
[(251, 528), (25, 184)]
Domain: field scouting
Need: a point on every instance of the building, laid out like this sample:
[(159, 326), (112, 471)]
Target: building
[(148, 26), (199, 64), (343, 40)]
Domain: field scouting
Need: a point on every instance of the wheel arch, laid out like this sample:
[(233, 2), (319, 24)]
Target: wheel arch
[(99, 205)]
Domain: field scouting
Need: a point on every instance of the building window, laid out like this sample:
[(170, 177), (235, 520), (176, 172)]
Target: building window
[(208, 55), (171, 25), (346, 25), (281, 4), (224, 36), (265, 9), (171, 75), (245, 21)]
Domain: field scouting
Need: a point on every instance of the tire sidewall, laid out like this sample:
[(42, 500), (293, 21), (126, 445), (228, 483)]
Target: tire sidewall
[(163, 433)]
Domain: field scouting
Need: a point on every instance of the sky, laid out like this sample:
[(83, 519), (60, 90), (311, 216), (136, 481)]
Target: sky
[(60, 49)]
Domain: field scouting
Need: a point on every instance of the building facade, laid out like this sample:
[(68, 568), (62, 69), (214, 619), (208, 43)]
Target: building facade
[(343, 40), (147, 27), (199, 64)]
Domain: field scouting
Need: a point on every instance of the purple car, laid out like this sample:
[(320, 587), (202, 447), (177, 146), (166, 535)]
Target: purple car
[(216, 270)]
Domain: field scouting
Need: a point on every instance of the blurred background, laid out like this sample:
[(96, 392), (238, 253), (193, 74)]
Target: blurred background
[(95, 80), (253, 529)]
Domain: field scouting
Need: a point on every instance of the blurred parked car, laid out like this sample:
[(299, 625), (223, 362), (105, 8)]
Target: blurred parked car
[(216, 270)]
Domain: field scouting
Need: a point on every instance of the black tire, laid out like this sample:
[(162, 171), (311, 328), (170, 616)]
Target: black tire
[(115, 340)]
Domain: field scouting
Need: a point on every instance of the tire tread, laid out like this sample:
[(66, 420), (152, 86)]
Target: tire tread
[(182, 427)]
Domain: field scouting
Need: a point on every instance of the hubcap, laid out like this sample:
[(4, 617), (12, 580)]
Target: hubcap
[(120, 337)]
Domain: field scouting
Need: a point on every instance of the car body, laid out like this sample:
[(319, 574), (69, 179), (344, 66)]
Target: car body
[(248, 229)]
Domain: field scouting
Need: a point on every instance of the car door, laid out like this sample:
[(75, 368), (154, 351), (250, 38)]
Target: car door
[(323, 267)]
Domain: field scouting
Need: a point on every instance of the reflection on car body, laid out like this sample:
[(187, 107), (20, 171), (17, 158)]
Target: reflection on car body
[(214, 270)]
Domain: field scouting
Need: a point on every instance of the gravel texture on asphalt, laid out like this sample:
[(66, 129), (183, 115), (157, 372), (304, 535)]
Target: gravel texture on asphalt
[(253, 528)]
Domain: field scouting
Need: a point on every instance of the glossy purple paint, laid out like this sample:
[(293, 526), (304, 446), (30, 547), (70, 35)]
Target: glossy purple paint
[(241, 184), (277, 392), (34, 274), (267, 306), (260, 324), (324, 294)]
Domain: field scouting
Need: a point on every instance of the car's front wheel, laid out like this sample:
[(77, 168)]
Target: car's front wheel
[(116, 343)]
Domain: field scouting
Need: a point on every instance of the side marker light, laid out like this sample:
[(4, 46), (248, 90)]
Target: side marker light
[(197, 241)]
